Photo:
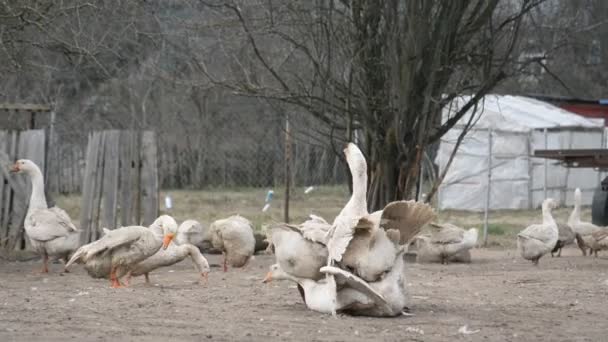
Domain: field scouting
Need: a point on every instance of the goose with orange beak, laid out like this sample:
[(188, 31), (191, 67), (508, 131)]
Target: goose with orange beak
[(119, 250), (174, 250)]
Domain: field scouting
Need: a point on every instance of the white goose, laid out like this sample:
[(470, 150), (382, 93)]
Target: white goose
[(234, 237), (50, 230), (325, 297), (584, 229), (539, 239), (192, 232), (356, 239), (119, 250), (170, 256), (448, 241), (296, 250), (177, 251)]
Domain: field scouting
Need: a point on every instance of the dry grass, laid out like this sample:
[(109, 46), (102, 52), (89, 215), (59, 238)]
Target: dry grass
[(209, 205)]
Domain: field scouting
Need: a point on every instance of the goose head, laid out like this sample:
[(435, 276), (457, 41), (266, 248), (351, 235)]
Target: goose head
[(168, 226), (275, 273), (356, 160), (24, 165), (550, 204)]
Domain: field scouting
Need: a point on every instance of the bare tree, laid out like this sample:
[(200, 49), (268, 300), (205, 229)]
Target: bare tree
[(386, 68)]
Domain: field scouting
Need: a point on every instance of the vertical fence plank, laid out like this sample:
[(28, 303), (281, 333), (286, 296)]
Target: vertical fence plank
[(126, 177), (88, 186), (98, 193), (149, 178), (11, 140), (110, 179)]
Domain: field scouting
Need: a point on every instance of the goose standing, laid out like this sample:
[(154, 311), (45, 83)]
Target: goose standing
[(119, 250), (539, 239), (194, 233), (584, 229), (170, 256), (599, 241), (566, 237), (234, 237), (50, 230)]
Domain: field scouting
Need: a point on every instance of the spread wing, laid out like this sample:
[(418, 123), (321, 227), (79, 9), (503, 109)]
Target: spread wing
[(342, 232), (315, 229), (408, 217), (352, 281), (49, 224), (111, 240)]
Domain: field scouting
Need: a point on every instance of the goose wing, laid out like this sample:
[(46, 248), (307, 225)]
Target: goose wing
[(315, 229), (48, 224), (539, 232), (408, 217), (112, 239), (352, 281)]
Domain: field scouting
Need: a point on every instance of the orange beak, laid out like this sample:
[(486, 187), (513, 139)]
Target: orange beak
[(15, 168), (268, 278), (205, 276), (167, 240)]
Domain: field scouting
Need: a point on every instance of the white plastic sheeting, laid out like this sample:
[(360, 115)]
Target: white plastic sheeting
[(517, 125)]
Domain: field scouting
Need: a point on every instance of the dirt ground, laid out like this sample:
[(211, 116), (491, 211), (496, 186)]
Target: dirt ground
[(499, 294)]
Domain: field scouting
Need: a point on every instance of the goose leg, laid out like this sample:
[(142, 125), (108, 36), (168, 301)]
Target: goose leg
[(127, 280), (114, 279), (225, 262), (45, 263), (559, 253), (65, 261), (147, 275)]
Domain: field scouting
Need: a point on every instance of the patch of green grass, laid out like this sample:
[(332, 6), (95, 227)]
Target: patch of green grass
[(211, 204), (208, 205), (495, 229)]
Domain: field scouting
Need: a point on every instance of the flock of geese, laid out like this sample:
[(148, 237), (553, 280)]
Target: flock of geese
[(550, 236), (354, 265)]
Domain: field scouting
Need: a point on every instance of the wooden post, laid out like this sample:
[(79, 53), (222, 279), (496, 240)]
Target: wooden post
[(287, 168), (110, 179), (149, 178)]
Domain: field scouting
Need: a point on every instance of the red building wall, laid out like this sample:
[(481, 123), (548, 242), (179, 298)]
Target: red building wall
[(587, 110)]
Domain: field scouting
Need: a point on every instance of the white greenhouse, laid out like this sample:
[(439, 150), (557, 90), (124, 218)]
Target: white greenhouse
[(497, 151)]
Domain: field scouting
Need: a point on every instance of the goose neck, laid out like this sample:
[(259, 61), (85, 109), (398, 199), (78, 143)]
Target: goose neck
[(37, 198), (547, 217)]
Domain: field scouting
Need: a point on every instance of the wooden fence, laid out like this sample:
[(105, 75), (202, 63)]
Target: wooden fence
[(15, 189), (120, 181)]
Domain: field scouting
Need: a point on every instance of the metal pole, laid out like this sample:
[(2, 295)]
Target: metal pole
[(488, 190), (545, 162), (287, 168)]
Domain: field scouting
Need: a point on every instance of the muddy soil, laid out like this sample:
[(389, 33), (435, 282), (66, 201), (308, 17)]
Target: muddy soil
[(499, 295)]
